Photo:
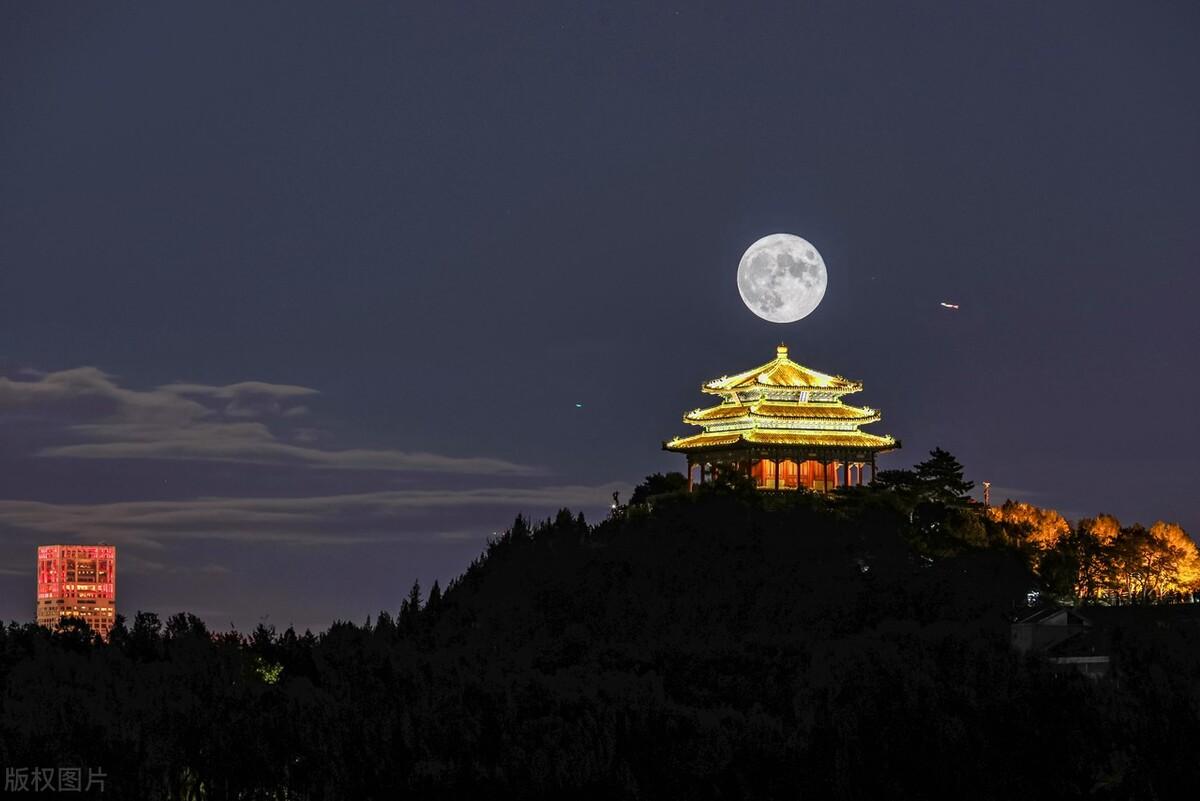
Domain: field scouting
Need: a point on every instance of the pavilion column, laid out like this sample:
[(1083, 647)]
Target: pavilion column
[(690, 475), (776, 463), (859, 467), (872, 470)]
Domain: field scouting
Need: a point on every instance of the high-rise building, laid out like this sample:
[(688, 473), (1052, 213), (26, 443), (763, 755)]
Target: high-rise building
[(78, 581)]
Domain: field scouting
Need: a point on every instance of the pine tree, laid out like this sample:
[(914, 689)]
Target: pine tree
[(658, 484), (520, 530), (410, 606), (903, 482), (940, 479)]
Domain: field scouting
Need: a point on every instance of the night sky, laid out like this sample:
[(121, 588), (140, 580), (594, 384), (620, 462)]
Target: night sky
[(297, 301)]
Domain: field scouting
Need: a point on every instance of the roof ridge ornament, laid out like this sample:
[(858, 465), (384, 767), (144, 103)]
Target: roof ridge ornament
[(781, 351)]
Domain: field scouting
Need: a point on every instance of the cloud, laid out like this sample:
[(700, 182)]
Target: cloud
[(248, 398), (87, 393), (318, 520), (248, 422), (308, 435), (245, 389), (228, 442)]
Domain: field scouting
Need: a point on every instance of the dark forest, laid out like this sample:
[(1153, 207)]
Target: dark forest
[(715, 644)]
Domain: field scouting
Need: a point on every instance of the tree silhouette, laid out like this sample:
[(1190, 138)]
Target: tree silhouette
[(411, 606), (726, 644), (658, 484), (940, 479)]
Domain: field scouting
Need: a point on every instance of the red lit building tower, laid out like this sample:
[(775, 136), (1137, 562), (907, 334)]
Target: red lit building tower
[(77, 581)]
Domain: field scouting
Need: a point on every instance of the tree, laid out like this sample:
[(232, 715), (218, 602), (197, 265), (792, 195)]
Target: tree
[(1087, 547), (940, 479), (411, 606), (1042, 528), (902, 482), (728, 479), (658, 484), (1103, 528), (185, 624), (1058, 568), (1135, 565), (1183, 559)]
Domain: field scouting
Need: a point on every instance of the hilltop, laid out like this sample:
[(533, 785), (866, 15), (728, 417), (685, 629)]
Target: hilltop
[(716, 644)]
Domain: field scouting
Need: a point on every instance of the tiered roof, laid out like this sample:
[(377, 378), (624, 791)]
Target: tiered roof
[(781, 373), (786, 404)]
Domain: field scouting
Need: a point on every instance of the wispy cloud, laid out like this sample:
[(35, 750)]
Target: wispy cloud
[(330, 519), (248, 398), (90, 394), (249, 422), (254, 444)]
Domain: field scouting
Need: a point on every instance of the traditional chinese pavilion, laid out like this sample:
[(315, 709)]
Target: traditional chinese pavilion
[(785, 426)]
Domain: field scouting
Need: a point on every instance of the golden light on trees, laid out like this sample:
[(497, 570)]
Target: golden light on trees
[(1105, 528), (1043, 527), (1184, 556), (1101, 560)]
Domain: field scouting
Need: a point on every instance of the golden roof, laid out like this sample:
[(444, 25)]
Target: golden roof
[(820, 439), (780, 372), (791, 411), (810, 415)]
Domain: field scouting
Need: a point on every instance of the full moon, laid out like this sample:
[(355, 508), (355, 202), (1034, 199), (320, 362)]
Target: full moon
[(781, 278)]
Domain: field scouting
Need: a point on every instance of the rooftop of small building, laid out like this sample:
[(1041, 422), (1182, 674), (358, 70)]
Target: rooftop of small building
[(781, 373)]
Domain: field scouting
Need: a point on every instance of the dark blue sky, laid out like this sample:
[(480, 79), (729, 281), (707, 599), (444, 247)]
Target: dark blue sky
[(297, 300)]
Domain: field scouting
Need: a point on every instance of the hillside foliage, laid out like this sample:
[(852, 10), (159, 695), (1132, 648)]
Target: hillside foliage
[(718, 644)]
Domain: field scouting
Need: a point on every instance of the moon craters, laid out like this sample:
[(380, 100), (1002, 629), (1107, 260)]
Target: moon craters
[(782, 278)]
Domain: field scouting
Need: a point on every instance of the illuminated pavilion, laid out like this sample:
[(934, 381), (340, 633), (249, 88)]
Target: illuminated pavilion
[(785, 426)]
